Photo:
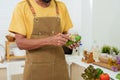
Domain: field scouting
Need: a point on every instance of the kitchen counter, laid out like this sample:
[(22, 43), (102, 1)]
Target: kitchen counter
[(77, 60), (3, 65)]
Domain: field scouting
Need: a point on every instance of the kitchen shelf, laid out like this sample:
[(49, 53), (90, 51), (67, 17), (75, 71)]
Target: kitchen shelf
[(9, 54)]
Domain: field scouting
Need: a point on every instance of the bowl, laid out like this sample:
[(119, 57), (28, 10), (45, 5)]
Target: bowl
[(10, 38)]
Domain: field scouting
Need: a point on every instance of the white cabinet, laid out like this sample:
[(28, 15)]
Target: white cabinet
[(15, 70), (3, 73), (76, 71)]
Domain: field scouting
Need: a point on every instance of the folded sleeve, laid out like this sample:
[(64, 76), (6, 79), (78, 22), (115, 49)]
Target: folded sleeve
[(17, 24), (67, 20)]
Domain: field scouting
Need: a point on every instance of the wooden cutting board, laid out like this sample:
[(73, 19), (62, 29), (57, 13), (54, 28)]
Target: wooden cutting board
[(103, 65)]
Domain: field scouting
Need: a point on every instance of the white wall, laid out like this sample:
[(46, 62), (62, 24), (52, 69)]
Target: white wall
[(86, 23), (6, 9), (74, 9), (106, 22), (96, 20)]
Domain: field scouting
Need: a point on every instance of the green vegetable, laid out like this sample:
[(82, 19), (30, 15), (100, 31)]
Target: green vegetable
[(74, 38), (89, 73), (69, 42), (99, 72), (106, 49), (77, 38), (115, 49), (118, 76)]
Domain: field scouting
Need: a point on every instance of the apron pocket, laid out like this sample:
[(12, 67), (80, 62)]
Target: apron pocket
[(42, 71)]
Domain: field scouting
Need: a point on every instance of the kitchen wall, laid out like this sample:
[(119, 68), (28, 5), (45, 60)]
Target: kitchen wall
[(97, 21), (106, 22), (81, 15), (6, 8)]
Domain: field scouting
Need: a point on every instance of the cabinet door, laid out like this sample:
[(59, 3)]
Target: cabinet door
[(15, 70), (3, 74), (76, 71), (17, 77)]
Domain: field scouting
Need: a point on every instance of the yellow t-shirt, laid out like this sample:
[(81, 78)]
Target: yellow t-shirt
[(22, 19)]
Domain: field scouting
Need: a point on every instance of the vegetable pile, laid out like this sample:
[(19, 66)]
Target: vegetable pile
[(90, 73)]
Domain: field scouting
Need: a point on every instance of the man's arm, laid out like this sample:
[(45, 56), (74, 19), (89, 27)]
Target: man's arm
[(29, 44)]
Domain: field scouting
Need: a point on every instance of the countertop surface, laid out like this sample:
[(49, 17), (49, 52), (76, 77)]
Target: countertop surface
[(3, 65), (77, 59)]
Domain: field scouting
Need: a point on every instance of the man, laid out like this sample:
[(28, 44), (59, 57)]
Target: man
[(40, 27)]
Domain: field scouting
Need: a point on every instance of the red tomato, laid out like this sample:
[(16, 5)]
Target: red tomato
[(104, 76)]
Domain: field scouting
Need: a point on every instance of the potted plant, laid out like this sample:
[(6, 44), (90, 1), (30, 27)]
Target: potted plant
[(115, 50), (106, 49)]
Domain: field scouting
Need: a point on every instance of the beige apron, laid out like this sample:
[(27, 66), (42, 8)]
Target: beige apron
[(48, 62)]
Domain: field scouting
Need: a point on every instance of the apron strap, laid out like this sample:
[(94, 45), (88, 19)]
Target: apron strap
[(57, 9), (31, 8), (33, 11)]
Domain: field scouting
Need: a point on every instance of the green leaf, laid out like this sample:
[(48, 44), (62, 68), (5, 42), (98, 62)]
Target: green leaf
[(118, 76), (77, 38), (99, 72)]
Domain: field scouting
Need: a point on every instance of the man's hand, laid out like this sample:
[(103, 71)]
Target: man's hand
[(59, 39), (73, 46)]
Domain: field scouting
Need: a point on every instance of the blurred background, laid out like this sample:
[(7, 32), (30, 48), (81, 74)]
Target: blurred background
[(97, 21)]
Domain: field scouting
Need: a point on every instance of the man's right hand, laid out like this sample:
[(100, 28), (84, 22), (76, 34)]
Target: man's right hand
[(59, 39)]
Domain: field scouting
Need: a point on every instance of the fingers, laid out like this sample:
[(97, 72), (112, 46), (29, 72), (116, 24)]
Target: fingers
[(66, 36), (73, 46), (60, 39), (60, 43)]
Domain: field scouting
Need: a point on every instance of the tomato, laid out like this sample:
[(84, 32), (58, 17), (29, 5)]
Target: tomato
[(104, 76)]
